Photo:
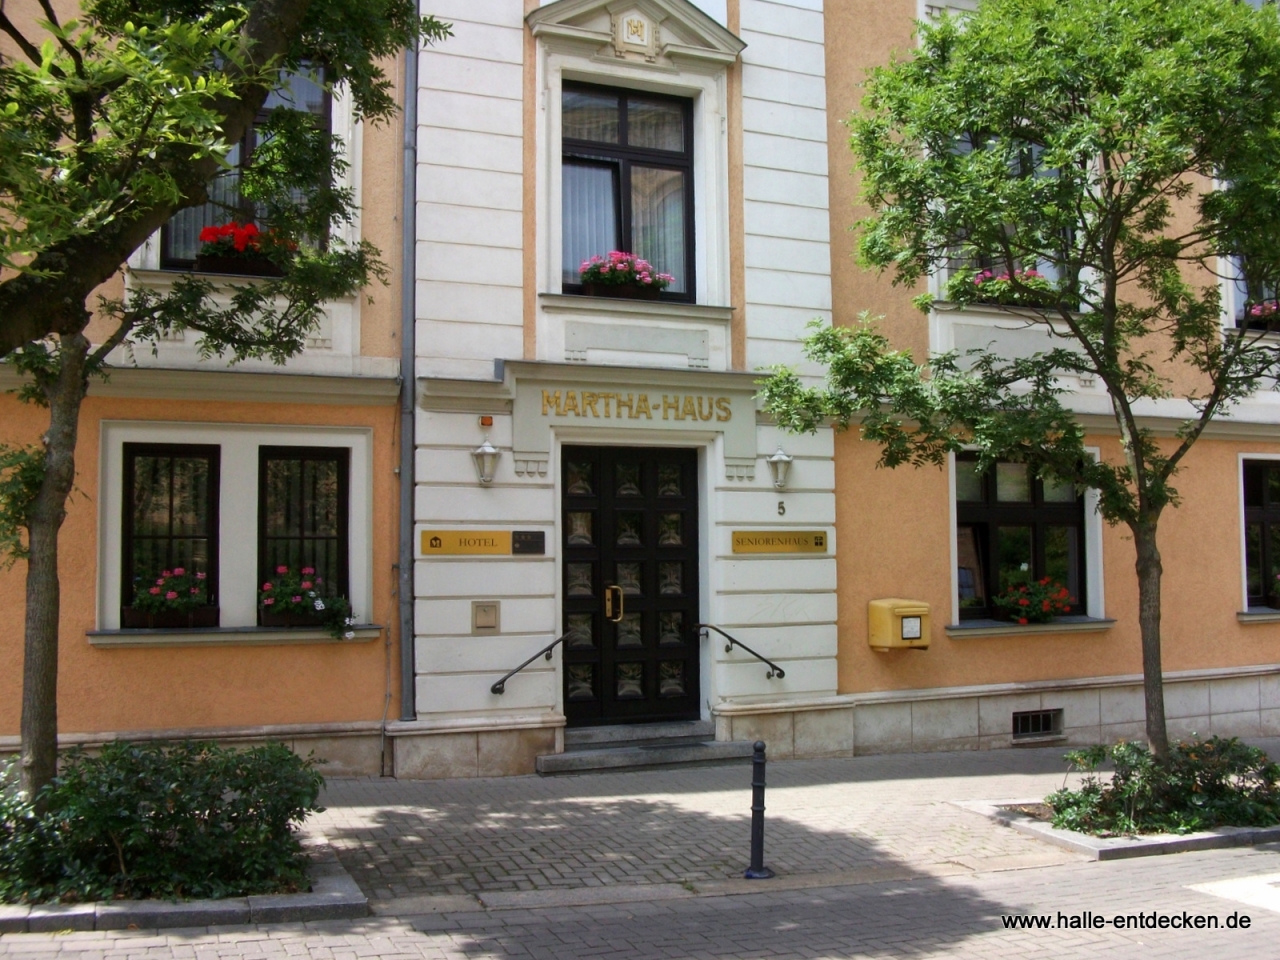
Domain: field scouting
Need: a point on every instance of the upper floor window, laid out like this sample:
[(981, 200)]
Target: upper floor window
[(1256, 305), (1013, 528), (180, 237), (627, 182)]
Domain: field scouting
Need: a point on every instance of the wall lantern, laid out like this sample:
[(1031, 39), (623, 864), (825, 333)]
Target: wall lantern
[(486, 458), (779, 464)]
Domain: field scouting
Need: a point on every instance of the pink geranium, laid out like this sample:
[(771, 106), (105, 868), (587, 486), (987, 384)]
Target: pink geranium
[(622, 269)]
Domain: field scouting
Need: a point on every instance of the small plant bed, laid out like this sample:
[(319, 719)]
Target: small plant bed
[(1204, 784), (170, 821)]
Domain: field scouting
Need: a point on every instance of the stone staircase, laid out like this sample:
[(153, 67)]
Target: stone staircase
[(637, 746)]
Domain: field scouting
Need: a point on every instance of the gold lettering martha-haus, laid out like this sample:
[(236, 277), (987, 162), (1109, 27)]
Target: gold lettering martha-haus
[(779, 541), (454, 542), (636, 406)]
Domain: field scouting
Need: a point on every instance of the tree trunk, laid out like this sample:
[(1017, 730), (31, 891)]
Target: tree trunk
[(1150, 570), (40, 659)]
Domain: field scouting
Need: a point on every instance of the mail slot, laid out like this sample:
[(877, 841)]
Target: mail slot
[(895, 624)]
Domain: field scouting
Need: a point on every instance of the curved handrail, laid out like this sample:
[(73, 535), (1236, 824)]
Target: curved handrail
[(774, 669), (500, 687)]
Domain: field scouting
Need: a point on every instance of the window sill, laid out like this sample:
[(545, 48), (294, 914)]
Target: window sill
[(164, 277), (998, 628), (652, 309), (1259, 615), (228, 636)]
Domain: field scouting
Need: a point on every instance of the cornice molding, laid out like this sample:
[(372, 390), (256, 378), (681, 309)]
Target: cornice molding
[(157, 383)]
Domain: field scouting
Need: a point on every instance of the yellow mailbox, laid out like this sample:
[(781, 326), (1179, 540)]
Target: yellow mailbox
[(895, 624)]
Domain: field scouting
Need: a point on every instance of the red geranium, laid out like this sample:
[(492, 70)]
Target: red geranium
[(1037, 601)]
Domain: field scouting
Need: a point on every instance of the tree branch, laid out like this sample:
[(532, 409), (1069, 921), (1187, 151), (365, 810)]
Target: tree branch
[(25, 45), (35, 303)]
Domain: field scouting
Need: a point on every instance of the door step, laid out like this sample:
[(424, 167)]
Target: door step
[(638, 746)]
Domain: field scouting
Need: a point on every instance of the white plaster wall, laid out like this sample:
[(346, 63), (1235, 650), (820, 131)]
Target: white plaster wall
[(454, 668), (781, 605), (788, 256), (470, 191)]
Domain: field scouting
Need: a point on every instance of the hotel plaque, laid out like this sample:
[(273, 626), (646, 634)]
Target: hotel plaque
[(454, 542), (779, 541)]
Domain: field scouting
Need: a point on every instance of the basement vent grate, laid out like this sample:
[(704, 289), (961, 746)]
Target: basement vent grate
[(1037, 723)]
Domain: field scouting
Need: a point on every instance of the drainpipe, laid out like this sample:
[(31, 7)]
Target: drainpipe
[(408, 379)]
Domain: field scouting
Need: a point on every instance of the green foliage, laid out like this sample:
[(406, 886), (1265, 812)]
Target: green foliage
[(1203, 784), (112, 122), (21, 473), (186, 820), (1124, 148)]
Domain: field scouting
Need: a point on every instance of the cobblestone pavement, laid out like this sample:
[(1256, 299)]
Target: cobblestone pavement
[(958, 917), (872, 860), (402, 838)]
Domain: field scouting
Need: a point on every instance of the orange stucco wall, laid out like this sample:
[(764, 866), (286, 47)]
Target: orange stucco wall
[(894, 530), (134, 689), (894, 526)]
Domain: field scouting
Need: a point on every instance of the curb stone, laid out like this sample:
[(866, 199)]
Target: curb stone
[(333, 896), (1116, 848)]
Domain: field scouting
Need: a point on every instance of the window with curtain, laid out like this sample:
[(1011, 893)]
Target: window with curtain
[(303, 504), (180, 237), (1012, 528), (627, 181), (170, 515)]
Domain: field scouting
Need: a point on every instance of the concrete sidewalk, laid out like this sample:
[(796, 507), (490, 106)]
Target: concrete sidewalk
[(514, 841)]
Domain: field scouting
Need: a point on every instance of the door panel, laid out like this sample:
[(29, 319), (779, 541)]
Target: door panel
[(630, 543)]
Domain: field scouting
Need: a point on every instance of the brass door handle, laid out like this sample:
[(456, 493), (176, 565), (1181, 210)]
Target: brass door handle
[(608, 603)]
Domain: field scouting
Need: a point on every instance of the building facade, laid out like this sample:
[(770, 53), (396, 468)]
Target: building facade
[(193, 467), (632, 478), (589, 474)]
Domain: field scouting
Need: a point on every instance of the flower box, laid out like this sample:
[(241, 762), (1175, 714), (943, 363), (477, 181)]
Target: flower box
[(134, 619), (622, 291), (289, 618), (245, 266), (623, 276)]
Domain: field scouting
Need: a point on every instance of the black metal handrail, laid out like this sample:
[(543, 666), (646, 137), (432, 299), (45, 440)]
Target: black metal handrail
[(501, 686), (774, 669)]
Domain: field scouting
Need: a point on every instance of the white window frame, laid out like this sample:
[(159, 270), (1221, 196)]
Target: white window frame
[(707, 88), (238, 513), (1241, 457), (1095, 602)]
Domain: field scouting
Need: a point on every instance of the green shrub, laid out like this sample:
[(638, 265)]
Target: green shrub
[(160, 820), (1205, 783)]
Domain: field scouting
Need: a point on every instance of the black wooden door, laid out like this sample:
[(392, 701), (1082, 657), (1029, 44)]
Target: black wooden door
[(630, 548)]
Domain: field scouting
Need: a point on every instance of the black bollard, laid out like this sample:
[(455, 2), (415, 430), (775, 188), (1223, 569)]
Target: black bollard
[(757, 870)]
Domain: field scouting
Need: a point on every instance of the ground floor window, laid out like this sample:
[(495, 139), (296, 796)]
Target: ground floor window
[(214, 510), (170, 525), (1262, 532), (1013, 527), (303, 506)]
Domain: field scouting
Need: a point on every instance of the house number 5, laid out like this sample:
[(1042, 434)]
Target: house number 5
[(782, 509)]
